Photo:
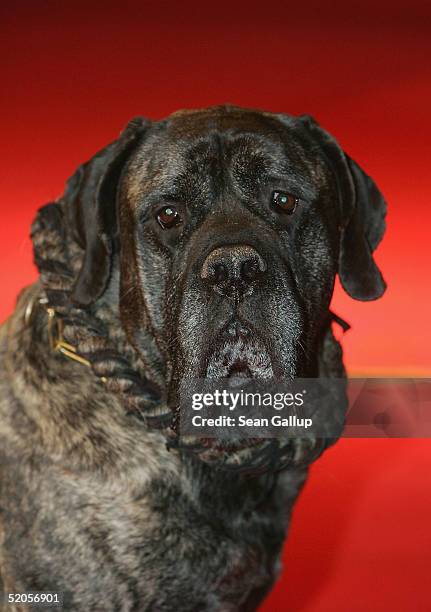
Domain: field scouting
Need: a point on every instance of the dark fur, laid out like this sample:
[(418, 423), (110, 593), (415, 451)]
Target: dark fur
[(92, 504)]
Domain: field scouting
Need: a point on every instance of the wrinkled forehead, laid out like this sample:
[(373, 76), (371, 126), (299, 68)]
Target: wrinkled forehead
[(198, 154)]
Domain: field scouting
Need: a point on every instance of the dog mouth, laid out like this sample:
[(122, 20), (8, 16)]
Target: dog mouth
[(239, 363), (239, 359), (239, 369)]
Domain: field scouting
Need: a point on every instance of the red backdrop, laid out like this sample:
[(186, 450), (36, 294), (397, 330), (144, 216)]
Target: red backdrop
[(74, 74)]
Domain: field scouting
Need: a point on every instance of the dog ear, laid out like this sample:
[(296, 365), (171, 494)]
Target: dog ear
[(363, 211), (91, 211)]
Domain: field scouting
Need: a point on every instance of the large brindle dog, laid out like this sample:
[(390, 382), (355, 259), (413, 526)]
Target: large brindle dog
[(203, 245)]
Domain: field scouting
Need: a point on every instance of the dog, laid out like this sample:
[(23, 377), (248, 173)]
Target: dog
[(203, 245)]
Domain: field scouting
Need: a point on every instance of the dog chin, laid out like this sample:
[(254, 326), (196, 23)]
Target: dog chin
[(238, 360)]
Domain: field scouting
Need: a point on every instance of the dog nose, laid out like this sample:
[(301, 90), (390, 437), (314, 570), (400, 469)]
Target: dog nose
[(232, 269)]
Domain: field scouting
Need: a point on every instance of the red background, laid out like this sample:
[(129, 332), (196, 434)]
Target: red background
[(74, 73)]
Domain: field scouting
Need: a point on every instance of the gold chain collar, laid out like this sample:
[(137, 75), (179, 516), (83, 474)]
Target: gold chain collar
[(55, 328)]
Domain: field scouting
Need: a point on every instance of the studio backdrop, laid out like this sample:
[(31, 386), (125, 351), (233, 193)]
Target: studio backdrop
[(73, 74)]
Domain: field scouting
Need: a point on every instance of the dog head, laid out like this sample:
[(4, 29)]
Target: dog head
[(225, 229), (219, 234)]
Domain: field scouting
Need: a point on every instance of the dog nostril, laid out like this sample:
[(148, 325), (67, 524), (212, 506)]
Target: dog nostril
[(220, 273), (250, 269)]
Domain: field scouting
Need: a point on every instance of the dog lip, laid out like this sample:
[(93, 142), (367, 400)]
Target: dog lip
[(238, 358), (239, 369)]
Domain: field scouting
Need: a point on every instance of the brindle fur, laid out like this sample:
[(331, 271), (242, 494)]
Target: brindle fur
[(92, 504)]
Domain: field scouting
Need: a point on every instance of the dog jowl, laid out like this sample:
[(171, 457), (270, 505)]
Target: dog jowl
[(201, 246)]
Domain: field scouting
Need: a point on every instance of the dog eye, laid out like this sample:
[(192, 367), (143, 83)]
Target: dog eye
[(284, 202), (168, 216)]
